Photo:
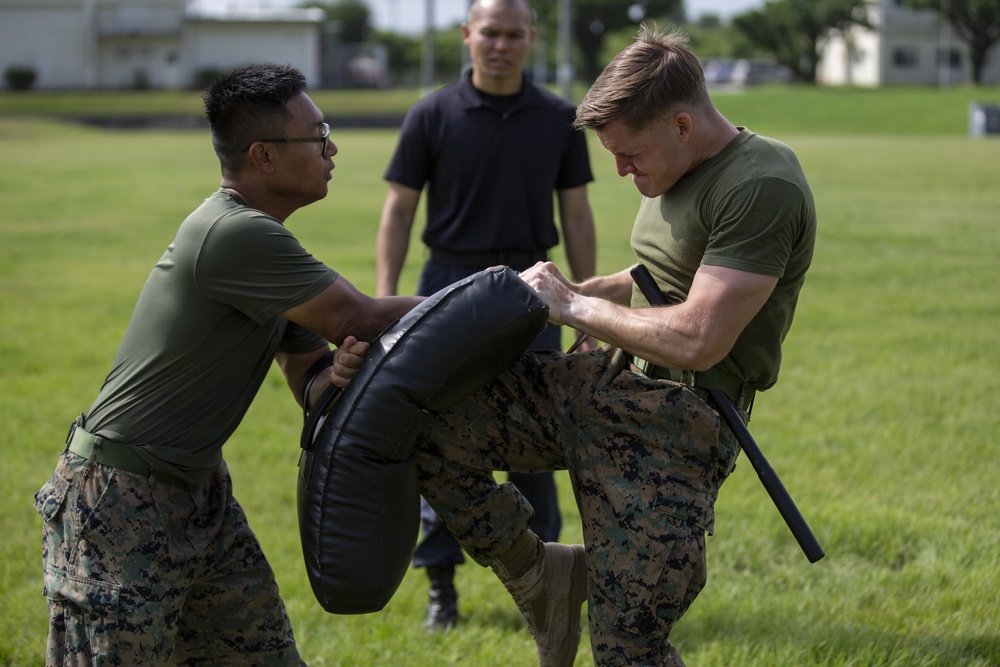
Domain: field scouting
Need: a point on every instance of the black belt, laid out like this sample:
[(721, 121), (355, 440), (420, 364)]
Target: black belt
[(484, 260), (738, 391), (121, 456)]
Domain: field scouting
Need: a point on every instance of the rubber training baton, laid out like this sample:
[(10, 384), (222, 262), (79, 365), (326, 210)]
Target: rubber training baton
[(768, 477)]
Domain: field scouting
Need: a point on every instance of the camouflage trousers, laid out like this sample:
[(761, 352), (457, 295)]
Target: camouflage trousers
[(141, 572), (646, 458)]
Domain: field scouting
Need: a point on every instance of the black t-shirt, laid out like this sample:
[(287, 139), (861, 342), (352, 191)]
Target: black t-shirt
[(490, 171)]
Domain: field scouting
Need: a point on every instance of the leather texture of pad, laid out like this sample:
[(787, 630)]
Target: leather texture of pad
[(358, 497)]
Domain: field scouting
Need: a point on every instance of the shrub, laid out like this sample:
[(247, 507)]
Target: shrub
[(20, 77), (206, 76)]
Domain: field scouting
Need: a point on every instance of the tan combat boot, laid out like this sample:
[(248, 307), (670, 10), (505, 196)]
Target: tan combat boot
[(549, 596)]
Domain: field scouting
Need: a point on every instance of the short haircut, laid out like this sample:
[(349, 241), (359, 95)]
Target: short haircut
[(645, 82), (506, 4), (248, 104)]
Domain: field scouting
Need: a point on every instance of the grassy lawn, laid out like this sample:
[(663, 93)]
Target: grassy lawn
[(778, 110), (883, 425)]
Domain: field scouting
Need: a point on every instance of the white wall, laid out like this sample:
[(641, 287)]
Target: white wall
[(903, 49), (221, 44), (81, 44), (55, 40)]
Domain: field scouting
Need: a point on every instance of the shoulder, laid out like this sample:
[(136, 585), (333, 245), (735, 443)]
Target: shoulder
[(760, 146), (548, 97), (550, 102), (440, 108), (223, 223), (443, 99)]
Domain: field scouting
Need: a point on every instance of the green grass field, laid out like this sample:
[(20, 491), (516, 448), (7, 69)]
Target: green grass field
[(884, 424)]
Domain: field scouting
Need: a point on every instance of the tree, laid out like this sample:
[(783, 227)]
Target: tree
[(592, 20), (791, 30), (977, 23), (711, 38), (354, 16)]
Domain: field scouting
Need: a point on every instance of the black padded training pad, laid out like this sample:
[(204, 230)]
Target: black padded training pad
[(358, 497)]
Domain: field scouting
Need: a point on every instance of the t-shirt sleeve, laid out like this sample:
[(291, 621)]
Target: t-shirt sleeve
[(757, 228), (254, 264), (575, 168), (411, 160), (298, 339)]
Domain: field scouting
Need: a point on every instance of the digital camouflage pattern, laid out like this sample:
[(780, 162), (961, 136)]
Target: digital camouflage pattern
[(646, 457), (141, 572)]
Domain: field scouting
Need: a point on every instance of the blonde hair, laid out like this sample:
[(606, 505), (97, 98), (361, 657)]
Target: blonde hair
[(647, 80)]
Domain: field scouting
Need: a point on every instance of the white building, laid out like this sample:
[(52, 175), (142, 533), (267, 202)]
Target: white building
[(123, 44), (906, 46)]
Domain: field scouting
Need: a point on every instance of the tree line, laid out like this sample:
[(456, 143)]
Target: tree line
[(790, 32)]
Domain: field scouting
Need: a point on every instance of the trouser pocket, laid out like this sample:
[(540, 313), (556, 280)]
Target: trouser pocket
[(666, 575), (83, 618)]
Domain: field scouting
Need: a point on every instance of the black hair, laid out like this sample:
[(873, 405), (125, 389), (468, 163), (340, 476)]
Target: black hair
[(248, 104)]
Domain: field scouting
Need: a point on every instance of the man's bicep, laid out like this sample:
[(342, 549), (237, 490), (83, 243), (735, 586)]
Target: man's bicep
[(402, 199), (332, 312), (729, 298)]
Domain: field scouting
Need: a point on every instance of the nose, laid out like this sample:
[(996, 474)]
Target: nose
[(624, 166), (331, 148)]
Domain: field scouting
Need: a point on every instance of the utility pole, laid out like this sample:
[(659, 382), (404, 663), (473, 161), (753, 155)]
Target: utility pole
[(564, 70), (427, 61), (944, 49)]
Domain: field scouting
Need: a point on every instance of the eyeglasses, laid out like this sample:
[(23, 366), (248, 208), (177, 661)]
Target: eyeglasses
[(323, 138)]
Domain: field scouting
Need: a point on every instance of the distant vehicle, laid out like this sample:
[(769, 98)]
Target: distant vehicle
[(744, 72), (366, 72), (750, 72), (718, 71)]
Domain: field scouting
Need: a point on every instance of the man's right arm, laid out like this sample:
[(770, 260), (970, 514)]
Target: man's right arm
[(341, 310), (393, 239)]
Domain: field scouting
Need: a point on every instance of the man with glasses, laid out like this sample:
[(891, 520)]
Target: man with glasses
[(323, 139), (148, 557)]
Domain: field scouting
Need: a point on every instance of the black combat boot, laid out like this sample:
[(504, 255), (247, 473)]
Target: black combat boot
[(442, 599)]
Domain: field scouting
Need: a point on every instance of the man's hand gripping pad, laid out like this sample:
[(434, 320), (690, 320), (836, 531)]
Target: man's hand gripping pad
[(358, 497)]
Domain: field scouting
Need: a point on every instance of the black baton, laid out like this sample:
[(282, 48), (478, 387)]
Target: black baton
[(768, 477)]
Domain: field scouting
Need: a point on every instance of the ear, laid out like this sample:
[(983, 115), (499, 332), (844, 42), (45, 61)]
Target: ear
[(683, 124), (260, 156)]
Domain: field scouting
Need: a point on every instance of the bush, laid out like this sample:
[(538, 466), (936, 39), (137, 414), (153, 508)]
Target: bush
[(206, 75), (20, 77)]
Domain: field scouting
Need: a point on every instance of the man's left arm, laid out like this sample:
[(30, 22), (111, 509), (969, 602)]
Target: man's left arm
[(345, 363), (693, 335), (294, 366)]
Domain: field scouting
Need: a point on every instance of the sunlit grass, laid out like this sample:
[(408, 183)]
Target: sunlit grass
[(883, 425)]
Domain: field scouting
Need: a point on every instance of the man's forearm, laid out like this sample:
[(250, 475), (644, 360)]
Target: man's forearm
[(295, 366)]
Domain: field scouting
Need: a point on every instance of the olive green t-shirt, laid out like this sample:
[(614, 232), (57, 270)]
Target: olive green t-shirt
[(747, 208), (204, 333)]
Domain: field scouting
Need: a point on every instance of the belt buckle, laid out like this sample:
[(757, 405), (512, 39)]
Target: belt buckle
[(69, 434), (77, 423)]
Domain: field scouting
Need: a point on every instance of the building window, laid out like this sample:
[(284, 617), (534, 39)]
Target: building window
[(904, 56), (953, 57)]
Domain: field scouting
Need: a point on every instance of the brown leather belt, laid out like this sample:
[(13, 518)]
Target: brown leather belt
[(738, 391)]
